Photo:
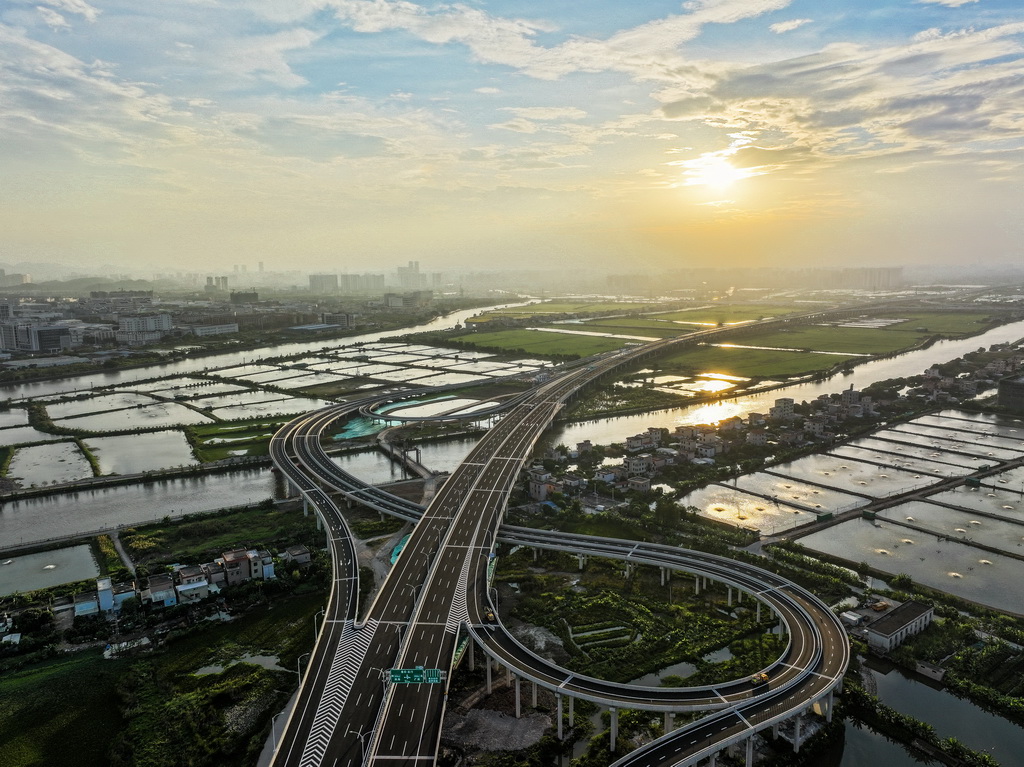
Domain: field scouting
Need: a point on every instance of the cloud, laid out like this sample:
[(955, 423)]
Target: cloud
[(76, 6), (788, 26), (53, 19), (947, 3), (547, 113)]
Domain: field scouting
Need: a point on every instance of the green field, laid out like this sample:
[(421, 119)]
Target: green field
[(728, 313), (633, 327), (199, 539), (834, 339), (565, 307), (748, 363), (946, 323), (64, 711), (252, 435), (540, 343)]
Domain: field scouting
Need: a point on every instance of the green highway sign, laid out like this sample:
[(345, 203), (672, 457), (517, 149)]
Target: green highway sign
[(418, 675)]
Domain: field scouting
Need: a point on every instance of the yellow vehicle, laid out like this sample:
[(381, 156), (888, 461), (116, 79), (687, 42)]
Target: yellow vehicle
[(759, 679)]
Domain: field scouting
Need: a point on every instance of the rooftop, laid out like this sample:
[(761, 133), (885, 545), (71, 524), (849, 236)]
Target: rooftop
[(899, 617)]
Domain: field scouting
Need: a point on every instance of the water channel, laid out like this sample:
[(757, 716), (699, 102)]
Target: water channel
[(199, 364), (603, 431)]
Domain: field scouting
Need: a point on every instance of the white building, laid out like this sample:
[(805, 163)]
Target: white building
[(889, 631)]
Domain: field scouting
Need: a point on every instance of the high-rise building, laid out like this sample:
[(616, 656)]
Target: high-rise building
[(323, 284)]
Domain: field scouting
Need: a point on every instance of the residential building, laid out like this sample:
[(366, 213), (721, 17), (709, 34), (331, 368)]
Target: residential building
[(192, 584), (323, 284), (160, 591)]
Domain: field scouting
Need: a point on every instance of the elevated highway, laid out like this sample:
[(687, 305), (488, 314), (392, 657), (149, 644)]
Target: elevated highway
[(347, 715)]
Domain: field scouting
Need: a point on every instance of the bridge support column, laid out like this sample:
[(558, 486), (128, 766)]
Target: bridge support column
[(739, 596), (348, 503), (582, 559), (472, 655), (489, 675), (558, 716), (828, 706), (750, 751), (670, 723), (757, 617), (696, 584), (536, 552), (662, 576), (519, 706), (615, 728), (319, 522), (714, 760), (730, 596), (534, 699), (796, 733), (572, 705), (305, 506), (775, 730), (508, 676)]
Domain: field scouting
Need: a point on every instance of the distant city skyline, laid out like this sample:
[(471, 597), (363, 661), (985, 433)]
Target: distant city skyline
[(357, 135)]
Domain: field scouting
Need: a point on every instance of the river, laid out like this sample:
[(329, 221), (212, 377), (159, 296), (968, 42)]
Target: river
[(604, 431)]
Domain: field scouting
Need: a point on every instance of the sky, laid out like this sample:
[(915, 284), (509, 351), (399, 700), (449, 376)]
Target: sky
[(355, 135)]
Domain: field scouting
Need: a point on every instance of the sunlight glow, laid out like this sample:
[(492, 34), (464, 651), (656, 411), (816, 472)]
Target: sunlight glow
[(715, 171)]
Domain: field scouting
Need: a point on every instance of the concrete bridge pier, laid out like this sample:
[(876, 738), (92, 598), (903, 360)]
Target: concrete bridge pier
[(572, 703), (750, 752), (826, 705), (534, 699), (670, 723), (472, 655), (582, 559), (730, 596), (508, 675), (558, 716), (696, 584), (796, 732), (489, 687), (519, 706), (536, 553), (319, 522), (757, 617), (305, 506), (615, 728)]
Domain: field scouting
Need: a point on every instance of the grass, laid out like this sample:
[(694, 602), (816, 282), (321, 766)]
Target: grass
[(836, 339), (199, 539), (564, 307), (252, 436), (748, 363), (726, 313), (946, 323), (539, 343), (64, 711)]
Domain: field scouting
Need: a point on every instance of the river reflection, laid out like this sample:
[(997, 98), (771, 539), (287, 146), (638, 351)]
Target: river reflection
[(607, 430)]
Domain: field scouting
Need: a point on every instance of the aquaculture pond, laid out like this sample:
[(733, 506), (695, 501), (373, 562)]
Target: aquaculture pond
[(28, 572), (728, 504), (37, 519), (136, 453), (929, 559), (47, 464)]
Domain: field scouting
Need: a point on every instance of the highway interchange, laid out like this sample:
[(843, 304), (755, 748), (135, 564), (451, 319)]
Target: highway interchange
[(347, 714)]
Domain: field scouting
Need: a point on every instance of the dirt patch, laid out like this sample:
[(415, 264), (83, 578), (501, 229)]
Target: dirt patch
[(494, 730)]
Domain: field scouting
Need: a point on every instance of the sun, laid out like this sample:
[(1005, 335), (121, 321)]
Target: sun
[(714, 171)]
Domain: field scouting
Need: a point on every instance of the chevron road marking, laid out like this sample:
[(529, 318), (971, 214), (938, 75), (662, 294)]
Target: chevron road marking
[(351, 649)]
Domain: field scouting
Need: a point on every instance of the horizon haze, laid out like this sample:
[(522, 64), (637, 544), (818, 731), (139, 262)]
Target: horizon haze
[(360, 134)]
